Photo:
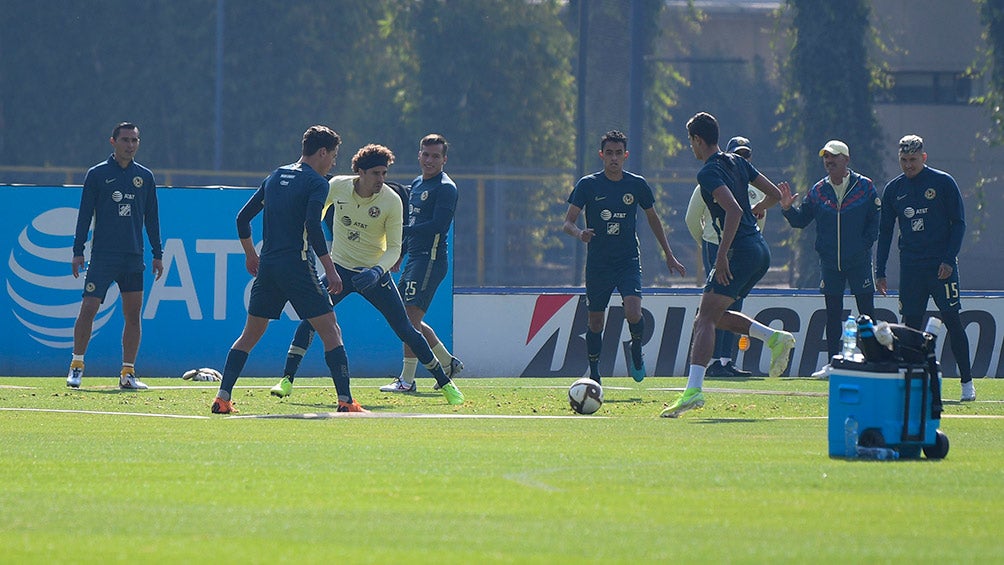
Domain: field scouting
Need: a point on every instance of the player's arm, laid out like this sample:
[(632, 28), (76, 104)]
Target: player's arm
[(660, 235), (316, 241), (733, 214), (442, 214), (151, 220), (570, 227), (887, 221), (771, 194), (251, 208), (871, 228), (88, 203), (394, 224), (695, 215)]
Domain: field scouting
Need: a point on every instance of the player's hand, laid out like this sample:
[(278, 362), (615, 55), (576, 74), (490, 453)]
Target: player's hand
[(158, 268), (586, 235), (723, 274), (675, 266), (367, 278), (882, 286), (397, 265), (334, 283), (787, 198), (944, 271), (77, 264), (251, 263)]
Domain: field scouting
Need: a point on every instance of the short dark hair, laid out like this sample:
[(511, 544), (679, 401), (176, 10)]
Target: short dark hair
[(613, 136), (370, 156), (122, 126), (317, 137), (704, 126), (435, 139)]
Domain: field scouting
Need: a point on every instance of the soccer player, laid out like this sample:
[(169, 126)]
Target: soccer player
[(366, 244), (431, 207), (292, 198), (846, 207), (742, 260), (610, 199), (702, 229), (120, 195), (932, 222)]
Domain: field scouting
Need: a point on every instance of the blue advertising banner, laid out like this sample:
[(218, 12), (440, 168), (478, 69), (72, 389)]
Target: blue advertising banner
[(191, 316)]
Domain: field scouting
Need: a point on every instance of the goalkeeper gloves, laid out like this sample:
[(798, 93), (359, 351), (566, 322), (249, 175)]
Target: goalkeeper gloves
[(367, 278)]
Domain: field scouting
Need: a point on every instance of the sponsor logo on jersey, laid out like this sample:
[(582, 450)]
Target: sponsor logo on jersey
[(909, 212), (116, 196), (917, 224), (613, 228), (125, 210), (606, 215)]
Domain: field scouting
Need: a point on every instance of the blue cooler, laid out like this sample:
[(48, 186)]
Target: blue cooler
[(895, 404)]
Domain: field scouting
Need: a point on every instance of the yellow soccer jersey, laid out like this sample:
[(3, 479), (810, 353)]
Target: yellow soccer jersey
[(366, 231)]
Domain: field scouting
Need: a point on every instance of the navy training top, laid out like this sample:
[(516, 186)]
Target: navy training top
[(611, 210)]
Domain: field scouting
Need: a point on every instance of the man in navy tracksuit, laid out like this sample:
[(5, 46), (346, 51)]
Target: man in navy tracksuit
[(928, 205), (120, 196), (846, 208)]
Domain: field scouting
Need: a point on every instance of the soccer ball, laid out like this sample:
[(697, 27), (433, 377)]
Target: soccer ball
[(585, 396)]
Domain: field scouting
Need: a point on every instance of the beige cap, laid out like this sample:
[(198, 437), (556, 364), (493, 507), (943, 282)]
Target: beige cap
[(835, 147)]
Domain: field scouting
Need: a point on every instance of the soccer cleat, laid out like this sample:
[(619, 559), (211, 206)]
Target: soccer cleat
[(780, 343), (454, 368), (734, 371), (76, 373), (221, 406), (968, 392), (128, 381), (452, 394), (690, 399), (399, 385), (351, 407), (823, 373), (283, 389), (716, 369), (638, 372)]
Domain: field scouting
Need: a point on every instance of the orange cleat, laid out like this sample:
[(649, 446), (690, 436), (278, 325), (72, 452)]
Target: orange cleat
[(221, 406), (351, 407)]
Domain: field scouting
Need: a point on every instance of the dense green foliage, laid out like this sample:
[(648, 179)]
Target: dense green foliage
[(829, 95)]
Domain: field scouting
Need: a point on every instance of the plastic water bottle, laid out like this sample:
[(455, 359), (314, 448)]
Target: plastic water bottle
[(850, 338), (850, 437), (880, 453), (934, 326)]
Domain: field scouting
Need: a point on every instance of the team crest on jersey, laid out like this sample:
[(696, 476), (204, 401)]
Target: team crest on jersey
[(90, 287), (930, 194), (374, 212), (878, 202), (628, 199), (425, 194), (137, 182)]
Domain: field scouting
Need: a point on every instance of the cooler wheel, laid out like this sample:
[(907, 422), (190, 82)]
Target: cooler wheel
[(940, 448)]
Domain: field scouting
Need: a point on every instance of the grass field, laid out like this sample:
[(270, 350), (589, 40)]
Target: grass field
[(97, 475)]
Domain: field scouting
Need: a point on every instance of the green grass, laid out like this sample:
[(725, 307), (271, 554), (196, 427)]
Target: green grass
[(746, 479)]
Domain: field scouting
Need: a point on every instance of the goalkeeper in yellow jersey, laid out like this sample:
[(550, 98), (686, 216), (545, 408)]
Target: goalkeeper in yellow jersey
[(366, 244)]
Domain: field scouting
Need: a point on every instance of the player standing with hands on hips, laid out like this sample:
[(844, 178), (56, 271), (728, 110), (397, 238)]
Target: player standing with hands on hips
[(610, 199), (292, 198), (120, 195), (928, 205)]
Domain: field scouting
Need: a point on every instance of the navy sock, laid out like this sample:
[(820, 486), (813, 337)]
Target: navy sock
[(637, 331), (594, 344), (338, 364), (232, 371)]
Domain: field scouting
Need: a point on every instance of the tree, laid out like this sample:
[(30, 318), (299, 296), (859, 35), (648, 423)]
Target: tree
[(830, 86)]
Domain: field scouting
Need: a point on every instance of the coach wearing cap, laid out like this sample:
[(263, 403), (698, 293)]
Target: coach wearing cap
[(846, 207)]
